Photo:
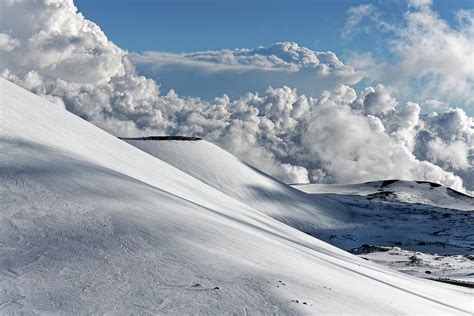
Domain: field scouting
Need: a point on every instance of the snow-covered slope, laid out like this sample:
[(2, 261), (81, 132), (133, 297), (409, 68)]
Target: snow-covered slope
[(90, 224), (409, 214), (423, 228), (225, 172), (420, 192), (378, 212)]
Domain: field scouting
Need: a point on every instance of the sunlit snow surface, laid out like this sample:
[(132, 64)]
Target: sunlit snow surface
[(417, 216), (91, 224)]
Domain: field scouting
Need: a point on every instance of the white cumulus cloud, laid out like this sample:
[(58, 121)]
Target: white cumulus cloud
[(333, 136), (429, 58)]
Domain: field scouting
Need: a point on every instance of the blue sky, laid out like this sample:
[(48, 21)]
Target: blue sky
[(189, 26), (196, 25)]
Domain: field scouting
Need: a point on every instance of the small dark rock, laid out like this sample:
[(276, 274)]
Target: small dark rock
[(388, 182), (176, 137), (414, 260), (432, 184), (366, 248)]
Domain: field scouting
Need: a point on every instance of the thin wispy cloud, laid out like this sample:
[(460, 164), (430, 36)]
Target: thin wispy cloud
[(235, 72)]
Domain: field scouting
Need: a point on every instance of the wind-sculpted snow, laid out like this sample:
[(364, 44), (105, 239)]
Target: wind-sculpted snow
[(92, 225), (337, 136)]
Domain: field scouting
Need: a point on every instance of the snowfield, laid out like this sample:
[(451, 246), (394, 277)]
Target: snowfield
[(91, 224), (416, 227), (419, 192), (223, 171), (392, 213)]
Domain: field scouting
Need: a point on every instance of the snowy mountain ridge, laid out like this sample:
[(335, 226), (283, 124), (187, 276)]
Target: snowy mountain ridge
[(421, 192)]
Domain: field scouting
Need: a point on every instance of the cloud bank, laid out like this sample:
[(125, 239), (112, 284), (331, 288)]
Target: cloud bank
[(336, 136), (234, 72), (430, 58)]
